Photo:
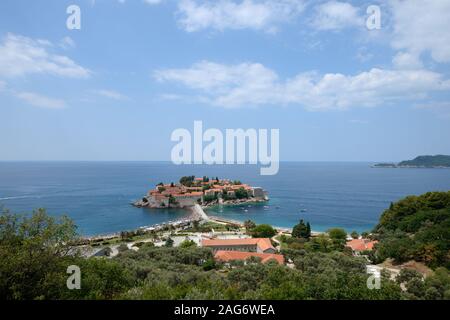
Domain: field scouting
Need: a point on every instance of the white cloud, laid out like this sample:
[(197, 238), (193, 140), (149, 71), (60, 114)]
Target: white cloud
[(110, 94), (67, 43), (20, 56), (41, 101), (334, 15), (422, 27), (252, 84), (195, 15), (406, 60)]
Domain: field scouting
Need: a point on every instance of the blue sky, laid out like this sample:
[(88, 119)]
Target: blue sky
[(137, 70)]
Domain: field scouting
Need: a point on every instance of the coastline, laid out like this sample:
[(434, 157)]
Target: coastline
[(197, 213)]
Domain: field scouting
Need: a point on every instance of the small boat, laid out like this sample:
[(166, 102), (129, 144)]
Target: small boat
[(277, 207), (245, 210), (302, 210)]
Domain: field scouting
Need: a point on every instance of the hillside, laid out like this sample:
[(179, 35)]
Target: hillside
[(416, 228), (427, 161), (438, 161)]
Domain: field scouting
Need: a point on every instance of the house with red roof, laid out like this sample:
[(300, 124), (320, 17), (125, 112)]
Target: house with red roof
[(359, 245), (227, 256), (258, 245)]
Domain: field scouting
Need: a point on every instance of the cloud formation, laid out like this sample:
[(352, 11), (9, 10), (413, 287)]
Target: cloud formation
[(195, 15), (334, 15), (111, 94), (252, 84), (422, 27), (41, 101), (20, 56)]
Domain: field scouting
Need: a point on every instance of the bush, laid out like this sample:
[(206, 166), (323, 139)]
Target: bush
[(263, 231)]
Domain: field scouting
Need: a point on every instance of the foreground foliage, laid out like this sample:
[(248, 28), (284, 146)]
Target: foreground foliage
[(416, 228), (36, 251)]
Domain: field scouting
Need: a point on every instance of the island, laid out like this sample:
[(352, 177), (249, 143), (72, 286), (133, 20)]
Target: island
[(437, 161), (204, 191)]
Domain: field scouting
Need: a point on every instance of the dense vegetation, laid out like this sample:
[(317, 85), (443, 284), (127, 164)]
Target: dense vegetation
[(416, 228), (36, 251), (428, 161)]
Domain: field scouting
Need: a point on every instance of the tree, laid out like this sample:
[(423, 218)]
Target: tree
[(249, 225), (354, 235), (301, 230), (337, 234), (172, 200), (263, 231), (338, 238), (32, 249), (169, 242), (241, 193), (187, 180), (188, 244), (209, 264)]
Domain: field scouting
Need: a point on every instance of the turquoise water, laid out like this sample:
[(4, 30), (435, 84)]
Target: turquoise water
[(97, 195)]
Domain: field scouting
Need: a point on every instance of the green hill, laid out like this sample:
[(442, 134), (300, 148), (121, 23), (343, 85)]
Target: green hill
[(427, 161)]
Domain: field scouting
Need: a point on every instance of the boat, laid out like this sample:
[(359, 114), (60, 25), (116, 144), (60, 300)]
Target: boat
[(303, 210)]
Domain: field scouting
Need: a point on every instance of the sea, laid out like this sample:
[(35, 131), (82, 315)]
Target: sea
[(98, 195)]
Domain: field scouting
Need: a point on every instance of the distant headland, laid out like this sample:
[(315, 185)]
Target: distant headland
[(203, 191), (437, 161)]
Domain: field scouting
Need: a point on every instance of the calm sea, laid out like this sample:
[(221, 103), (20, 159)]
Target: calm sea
[(97, 195)]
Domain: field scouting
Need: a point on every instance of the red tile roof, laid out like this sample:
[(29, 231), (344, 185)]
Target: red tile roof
[(262, 243), (226, 256), (361, 244)]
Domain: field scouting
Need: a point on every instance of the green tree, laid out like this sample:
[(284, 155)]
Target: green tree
[(169, 242), (263, 231), (32, 249), (354, 235), (249, 225), (337, 234), (188, 244), (172, 201), (187, 180), (338, 238), (301, 230)]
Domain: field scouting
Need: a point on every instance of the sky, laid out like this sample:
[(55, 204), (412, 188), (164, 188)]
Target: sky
[(137, 70)]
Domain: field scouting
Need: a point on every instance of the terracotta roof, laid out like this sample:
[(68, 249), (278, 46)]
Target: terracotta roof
[(226, 256), (361, 244), (262, 243)]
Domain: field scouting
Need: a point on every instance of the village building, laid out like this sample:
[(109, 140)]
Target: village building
[(360, 245), (258, 245)]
